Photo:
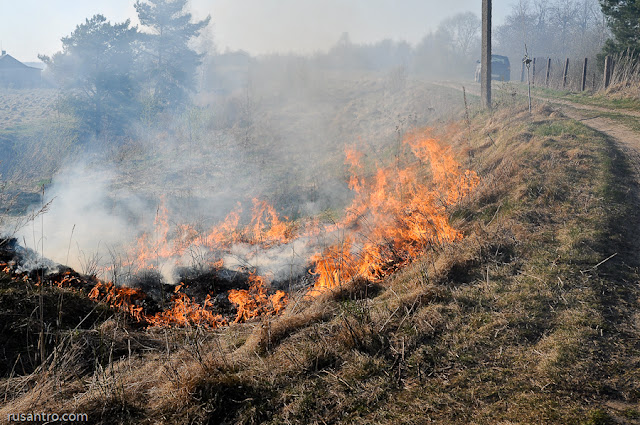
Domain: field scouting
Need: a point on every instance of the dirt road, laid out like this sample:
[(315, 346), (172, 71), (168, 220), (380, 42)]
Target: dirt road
[(625, 137)]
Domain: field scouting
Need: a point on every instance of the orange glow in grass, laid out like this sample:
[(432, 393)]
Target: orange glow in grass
[(120, 298), (186, 312), (255, 302)]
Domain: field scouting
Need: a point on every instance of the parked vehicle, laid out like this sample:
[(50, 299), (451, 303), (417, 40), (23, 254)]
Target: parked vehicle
[(500, 68)]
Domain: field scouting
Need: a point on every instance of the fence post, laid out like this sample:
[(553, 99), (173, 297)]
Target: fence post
[(546, 80), (607, 70), (522, 73), (584, 74), (533, 73), (613, 70), (564, 73)]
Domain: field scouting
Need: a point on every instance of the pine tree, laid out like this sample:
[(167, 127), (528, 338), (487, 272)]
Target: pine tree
[(171, 64), (96, 73), (624, 21)]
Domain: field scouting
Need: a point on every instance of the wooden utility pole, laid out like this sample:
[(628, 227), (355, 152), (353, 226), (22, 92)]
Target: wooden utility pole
[(485, 77)]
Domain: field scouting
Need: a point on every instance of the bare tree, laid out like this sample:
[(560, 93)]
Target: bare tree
[(463, 31), (556, 28)]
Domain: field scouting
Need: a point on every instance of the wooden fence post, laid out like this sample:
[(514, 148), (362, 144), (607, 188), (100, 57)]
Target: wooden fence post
[(584, 74), (607, 70), (546, 80), (613, 70), (564, 73), (533, 73)]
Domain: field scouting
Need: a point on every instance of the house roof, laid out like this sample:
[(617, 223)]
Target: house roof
[(9, 62)]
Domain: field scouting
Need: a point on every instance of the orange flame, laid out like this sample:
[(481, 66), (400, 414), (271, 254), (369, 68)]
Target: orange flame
[(266, 228), (226, 233), (255, 302), (396, 215), (120, 298), (151, 249), (186, 312)]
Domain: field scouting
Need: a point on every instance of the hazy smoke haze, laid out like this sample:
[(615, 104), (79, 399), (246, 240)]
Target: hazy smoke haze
[(257, 26)]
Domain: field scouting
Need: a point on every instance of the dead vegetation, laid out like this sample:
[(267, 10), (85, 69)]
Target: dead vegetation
[(19, 107), (531, 318)]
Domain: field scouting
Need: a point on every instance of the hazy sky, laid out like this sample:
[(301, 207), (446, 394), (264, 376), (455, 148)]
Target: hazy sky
[(30, 27)]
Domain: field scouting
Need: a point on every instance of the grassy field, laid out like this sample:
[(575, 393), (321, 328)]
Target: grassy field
[(34, 140), (24, 107), (275, 141), (531, 318)]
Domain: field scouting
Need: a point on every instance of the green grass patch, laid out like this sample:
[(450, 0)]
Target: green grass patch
[(588, 98)]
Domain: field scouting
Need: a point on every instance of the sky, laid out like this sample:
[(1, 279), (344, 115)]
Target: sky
[(32, 27)]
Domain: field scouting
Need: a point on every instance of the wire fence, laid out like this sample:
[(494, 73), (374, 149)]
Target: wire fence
[(580, 74)]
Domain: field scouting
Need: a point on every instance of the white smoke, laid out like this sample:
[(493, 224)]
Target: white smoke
[(82, 222)]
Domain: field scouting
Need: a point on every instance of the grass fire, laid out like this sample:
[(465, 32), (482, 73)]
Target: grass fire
[(398, 212), (236, 213)]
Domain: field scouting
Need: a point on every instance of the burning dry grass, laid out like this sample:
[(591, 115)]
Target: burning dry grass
[(520, 321), (398, 213)]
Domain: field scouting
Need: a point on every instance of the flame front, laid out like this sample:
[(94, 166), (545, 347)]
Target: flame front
[(396, 215), (255, 302)]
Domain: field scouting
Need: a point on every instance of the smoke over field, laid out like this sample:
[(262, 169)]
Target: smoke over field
[(285, 149), (233, 172)]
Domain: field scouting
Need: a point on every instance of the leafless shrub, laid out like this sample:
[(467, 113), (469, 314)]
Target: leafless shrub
[(89, 263), (626, 71)]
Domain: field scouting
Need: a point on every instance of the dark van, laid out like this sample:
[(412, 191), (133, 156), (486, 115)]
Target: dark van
[(500, 68)]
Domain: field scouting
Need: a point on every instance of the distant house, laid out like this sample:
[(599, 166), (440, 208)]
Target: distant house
[(15, 74)]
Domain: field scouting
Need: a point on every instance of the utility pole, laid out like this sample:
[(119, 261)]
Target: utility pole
[(485, 77)]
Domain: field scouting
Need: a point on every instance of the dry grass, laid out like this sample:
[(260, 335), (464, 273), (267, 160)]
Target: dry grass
[(625, 91), (24, 107), (35, 139), (517, 323)]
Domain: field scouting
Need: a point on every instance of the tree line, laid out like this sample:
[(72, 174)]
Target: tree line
[(556, 28), (544, 28), (113, 74), (549, 28)]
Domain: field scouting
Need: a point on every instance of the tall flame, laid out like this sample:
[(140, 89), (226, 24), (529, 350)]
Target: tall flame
[(396, 215)]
